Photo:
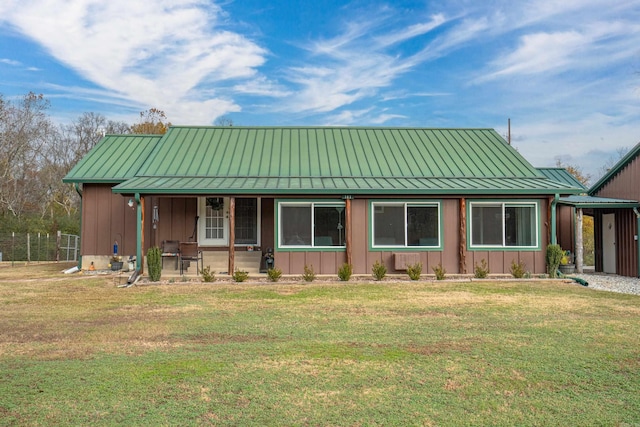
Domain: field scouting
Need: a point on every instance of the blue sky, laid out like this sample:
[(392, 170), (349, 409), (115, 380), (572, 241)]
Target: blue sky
[(567, 72)]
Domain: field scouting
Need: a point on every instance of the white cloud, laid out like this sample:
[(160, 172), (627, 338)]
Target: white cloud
[(155, 54), (10, 62), (353, 65)]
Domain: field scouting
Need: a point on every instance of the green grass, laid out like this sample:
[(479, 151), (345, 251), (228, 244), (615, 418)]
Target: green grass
[(80, 351)]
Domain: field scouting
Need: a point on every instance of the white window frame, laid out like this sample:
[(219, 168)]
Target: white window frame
[(406, 204), (312, 205), (503, 205)]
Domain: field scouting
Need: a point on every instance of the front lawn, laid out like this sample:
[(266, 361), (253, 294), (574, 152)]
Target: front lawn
[(81, 351)]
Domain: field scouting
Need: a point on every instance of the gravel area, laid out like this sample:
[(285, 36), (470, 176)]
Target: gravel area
[(611, 282)]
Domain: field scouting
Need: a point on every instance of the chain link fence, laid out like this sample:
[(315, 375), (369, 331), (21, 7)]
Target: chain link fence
[(36, 247)]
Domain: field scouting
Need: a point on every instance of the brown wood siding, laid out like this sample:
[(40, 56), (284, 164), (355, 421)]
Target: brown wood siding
[(176, 219), (499, 262), (565, 227), (624, 185), (105, 219), (267, 224), (363, 258), (626, 245)]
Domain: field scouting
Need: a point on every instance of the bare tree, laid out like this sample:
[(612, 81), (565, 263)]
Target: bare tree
[(223, 121), (25, 129), (611, 161)]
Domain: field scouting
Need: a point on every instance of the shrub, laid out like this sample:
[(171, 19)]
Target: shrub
[(518, 269), (439, 271), (240, 275), (309, 275), (154, 262), (553, 257), (274, 274), (378, 270), (207, 275), (482, 270), (345, 272), (414, 271)]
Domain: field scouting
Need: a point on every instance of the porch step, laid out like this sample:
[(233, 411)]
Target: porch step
[(246, 261)]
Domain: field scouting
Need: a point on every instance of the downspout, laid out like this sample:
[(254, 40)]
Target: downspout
[(554, 238), (139, 232), (79, 191), (635, 211)]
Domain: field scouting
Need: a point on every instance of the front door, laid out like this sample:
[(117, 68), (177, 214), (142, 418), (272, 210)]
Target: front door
[(214, 221), (609, 243)]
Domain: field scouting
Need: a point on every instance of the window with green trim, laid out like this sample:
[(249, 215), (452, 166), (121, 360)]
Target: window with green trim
[(405, 224), (504, 224), (311, 224)]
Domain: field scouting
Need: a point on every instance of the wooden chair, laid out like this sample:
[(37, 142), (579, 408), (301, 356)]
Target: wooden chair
[(189, 252), (170, 248)]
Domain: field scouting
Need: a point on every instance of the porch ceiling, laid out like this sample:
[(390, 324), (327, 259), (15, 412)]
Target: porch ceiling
[(341, 185)]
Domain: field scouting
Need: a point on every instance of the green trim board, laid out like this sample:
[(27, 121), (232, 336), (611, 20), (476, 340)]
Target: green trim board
[(405, 203), (503, 247), (312, 203), (338, 185)]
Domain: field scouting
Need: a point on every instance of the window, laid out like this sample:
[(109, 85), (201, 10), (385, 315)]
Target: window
[(410, 224), (497, 224), (214, 218), (311, 224)]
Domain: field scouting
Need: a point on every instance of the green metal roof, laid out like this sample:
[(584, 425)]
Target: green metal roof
[(340, 160), (562, 176), (597, 202), (115, 158), (617, 168)]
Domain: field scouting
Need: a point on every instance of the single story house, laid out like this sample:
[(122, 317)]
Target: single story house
[(319, 196)]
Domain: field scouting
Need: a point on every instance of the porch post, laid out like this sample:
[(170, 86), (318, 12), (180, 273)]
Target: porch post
[(232, 234), (579, 241), (462, 261), (348, 240)]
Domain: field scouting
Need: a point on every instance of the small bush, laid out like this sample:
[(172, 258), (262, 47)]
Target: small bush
[(414, 271), (378, 270), (439, 271), (274, 274), (154, 262), (518, 269), (345, 272), (240, 275), (553, 257), (309, 275), (207, 275), (482, 270)]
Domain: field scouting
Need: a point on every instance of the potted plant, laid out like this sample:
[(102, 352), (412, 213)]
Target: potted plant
[(566, 263), (116, 263)]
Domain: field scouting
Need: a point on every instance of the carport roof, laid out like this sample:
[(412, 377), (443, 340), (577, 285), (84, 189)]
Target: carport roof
[(591, 202)]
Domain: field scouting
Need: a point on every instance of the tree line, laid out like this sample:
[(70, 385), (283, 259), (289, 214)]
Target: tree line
[(35, 154)]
